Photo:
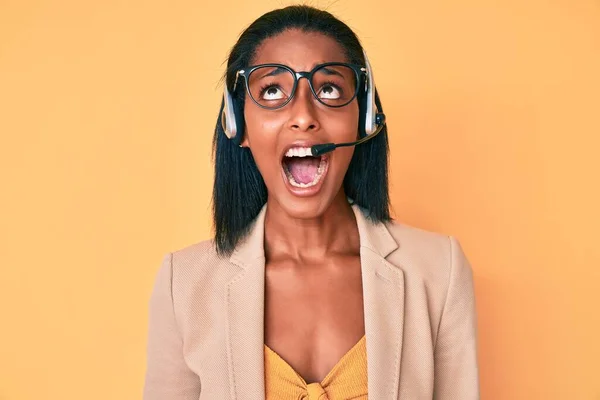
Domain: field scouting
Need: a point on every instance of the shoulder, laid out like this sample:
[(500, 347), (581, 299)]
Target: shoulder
[(430, 255), (416, 238), (194, 267), (194, 254), (196, 261)]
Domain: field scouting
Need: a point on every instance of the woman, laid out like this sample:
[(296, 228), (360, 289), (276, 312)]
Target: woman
[(309, 290)]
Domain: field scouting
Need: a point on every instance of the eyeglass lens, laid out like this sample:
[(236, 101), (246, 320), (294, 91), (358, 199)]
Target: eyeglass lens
[(271, 87)]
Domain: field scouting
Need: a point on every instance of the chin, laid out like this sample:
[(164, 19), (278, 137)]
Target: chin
[(304, 207)]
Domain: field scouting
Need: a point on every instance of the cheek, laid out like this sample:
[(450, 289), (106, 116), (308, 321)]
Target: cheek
[(262, 126), (341, 130), (343, 127), (263, 132)]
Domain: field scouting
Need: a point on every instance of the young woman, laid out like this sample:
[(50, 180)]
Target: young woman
[(309, 290)]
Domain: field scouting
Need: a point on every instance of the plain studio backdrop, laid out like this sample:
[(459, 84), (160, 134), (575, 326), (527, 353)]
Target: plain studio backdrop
[(106, 116)]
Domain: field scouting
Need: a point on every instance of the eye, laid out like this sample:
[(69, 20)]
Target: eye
[(272, 92), (329, 91)]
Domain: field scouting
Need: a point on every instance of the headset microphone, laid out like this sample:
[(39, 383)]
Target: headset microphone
[(320, 149)]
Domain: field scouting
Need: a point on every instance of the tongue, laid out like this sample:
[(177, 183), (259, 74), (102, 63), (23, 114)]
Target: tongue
[(303, 169)]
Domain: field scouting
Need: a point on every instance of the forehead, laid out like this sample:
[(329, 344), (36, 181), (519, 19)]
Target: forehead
[(299, 50)]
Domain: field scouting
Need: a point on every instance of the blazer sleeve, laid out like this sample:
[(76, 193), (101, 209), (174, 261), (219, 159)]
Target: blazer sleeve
[(167, 374), (456, 369)]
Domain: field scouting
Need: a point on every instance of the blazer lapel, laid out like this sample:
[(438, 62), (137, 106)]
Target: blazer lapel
[(383, 297), (245, 317)]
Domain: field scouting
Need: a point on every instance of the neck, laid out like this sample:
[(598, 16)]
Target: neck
[(335, 231)]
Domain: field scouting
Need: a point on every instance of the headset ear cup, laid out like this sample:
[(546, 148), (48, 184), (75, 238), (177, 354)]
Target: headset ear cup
[(362, 110), (224, 121)]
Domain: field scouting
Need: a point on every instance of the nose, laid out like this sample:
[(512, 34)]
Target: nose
[(303, 113)]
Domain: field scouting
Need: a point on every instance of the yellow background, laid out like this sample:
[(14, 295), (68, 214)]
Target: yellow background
[(106, 117)]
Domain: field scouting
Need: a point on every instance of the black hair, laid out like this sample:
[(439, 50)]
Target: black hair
[(239, 192)]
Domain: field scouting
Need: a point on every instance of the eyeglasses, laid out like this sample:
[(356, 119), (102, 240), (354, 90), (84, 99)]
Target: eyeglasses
[(272, 86)]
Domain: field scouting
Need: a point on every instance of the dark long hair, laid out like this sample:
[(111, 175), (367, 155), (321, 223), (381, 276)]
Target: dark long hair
[(239, 191)]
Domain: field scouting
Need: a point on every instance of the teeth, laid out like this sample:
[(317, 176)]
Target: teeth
[(318, 175), (299, 152)]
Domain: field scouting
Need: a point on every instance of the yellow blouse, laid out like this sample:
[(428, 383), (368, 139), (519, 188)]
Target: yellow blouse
[(346, 380)]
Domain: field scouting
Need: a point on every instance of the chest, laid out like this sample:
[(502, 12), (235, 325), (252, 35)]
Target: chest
[(314, 313)]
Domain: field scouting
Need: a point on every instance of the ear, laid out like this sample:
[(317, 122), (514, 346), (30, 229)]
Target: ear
[(245, 142)]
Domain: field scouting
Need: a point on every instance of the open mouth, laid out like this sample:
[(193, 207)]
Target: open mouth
[(303, 170)]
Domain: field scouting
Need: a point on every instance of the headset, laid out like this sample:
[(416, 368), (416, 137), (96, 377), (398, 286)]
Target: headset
[(370, 121)]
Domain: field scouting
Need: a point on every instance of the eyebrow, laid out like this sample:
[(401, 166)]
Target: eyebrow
[(278, 71), (331, 72), (274, 72)]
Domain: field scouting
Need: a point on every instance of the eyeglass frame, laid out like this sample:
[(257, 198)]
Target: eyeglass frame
[(359, 70)]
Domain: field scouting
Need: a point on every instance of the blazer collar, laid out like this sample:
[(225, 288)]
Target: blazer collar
[(374, 236), (252, 247), (383, 297)]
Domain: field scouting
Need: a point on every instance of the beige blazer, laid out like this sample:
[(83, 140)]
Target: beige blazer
[(206, 318)]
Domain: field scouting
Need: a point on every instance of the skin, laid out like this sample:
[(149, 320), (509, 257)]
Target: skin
[(313, 296)]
